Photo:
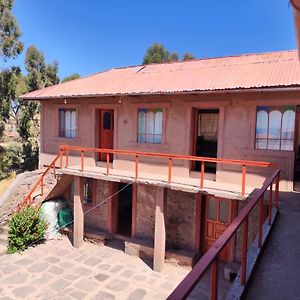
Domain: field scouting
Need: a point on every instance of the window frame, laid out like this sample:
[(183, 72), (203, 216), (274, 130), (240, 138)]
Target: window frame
[(65, 109), (93, 187), (163, 125), (282, 110)]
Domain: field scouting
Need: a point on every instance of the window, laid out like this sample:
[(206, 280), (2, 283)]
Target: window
[(67, 123), (150, 125), (275, 128), (88, 191)]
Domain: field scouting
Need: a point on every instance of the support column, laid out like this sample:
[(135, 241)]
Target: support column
[(78, 216), (198, 204), (134, 209), (160, 230)]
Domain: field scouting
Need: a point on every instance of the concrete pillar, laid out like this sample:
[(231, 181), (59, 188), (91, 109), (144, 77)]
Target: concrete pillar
[(134, 209), (198, 204), (160, 230), (113, 203), (78, 214)]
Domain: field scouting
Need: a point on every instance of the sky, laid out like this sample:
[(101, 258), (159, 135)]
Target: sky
[(88, 36)]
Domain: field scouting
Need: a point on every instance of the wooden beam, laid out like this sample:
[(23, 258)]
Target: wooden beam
[(78, 214), (160, 230)]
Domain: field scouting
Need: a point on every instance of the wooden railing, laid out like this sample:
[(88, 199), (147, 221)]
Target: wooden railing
[(65, 149), (211, 258), (39, 184)]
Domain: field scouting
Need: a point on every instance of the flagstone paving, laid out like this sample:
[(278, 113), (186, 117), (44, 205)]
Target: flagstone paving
[(56, 270)]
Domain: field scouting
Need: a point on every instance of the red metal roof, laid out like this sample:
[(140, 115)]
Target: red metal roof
[(263, 70)]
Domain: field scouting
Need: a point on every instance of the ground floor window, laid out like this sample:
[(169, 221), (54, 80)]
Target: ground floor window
[(275, 127), (88, 191)]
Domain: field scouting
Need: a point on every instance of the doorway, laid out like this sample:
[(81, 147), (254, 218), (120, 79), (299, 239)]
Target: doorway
[(106, 132), (125, 210), (297, 152), (205, 137), (218, 216)]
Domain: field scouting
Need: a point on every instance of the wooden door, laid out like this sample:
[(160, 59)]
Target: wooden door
[(106, 132), (218, 218)]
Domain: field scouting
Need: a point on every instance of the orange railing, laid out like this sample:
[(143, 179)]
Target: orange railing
[(169, 157), (39, 183), (211, 257)]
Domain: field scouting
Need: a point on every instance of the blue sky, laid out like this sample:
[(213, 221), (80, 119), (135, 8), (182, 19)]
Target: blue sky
[(90, 36)]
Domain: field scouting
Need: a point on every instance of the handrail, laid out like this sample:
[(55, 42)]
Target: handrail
[(210, 258), (39, 182), (169, 157)]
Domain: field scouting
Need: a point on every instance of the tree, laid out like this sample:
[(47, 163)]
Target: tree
[(158, 54), (10, 44), (71, 77), (188, 56)]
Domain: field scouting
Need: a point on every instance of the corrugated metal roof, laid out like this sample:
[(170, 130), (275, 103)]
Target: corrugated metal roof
[(263, 70)]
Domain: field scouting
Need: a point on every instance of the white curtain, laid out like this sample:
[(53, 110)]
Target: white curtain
[(158, 127)]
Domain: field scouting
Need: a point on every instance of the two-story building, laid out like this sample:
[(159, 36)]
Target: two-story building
[(166, 203)]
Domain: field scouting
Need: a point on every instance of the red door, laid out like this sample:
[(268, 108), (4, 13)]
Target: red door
[(218, 217), (106, 138)]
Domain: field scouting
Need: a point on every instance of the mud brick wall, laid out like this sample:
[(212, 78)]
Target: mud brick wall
[(145, 211), (180, 220)]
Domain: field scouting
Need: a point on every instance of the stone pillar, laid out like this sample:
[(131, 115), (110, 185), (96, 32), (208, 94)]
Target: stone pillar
[(160, 230), (198, 204), (134, 209), (78, 214)]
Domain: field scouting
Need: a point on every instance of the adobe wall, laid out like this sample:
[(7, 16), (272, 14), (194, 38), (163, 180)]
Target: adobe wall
[(236, 136)]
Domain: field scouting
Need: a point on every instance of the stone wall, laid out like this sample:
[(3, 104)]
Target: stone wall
[(145, 220), (180, 223)]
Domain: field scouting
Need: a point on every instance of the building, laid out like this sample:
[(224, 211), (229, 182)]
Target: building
[(150, 122)]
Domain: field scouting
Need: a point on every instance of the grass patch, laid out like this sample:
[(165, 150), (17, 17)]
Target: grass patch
[(5, 183)]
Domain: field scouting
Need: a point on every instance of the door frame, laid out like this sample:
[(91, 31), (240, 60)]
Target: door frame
[(296, 141)]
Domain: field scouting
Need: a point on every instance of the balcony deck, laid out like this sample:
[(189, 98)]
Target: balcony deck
[(191, 185)]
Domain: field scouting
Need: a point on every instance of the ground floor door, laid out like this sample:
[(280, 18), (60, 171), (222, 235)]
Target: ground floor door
[(106, 132), (124, 210), (218, 216), (205, 136)]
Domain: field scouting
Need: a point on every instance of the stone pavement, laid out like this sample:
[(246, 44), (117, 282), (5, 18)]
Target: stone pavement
[(56, 270), (278, 272)]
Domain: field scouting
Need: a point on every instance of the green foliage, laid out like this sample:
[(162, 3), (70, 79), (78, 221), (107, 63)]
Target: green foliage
[(5, 163), (71, 77), (25, 228), (14, 152), (10, 44), (157, 53), (188, 56)]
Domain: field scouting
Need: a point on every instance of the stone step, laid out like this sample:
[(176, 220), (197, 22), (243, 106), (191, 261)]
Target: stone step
[(2, 250), (4, 230), (3, 241)]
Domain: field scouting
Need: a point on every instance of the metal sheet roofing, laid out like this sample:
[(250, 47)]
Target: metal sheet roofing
[(263, 70)]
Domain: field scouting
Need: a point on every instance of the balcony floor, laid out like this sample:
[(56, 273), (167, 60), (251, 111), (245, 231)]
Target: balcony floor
[(191, 185)]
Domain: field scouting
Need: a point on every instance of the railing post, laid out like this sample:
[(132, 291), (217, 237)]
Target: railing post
[(244, 252), (136, 166), (214, 279), (277, 192), (170, 171), (82, 160), (202, 175), (61, 158), (67, 157), (243, 179), (270, 203), (42, 186), (260, 222), (107, 164)]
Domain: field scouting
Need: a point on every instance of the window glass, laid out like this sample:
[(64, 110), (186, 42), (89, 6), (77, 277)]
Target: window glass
[(88, 191), (107, 120), (224, 213), (212, 208), (67, 123), (150, 125), (275, 128)]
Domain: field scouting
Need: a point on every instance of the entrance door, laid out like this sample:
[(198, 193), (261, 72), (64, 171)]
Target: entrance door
[(218, 218), (106, 132), (206, 136), (297, 152), (125, 210)]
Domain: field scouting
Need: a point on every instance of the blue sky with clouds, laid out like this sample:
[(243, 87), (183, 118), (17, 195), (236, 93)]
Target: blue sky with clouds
[(90, 36)]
